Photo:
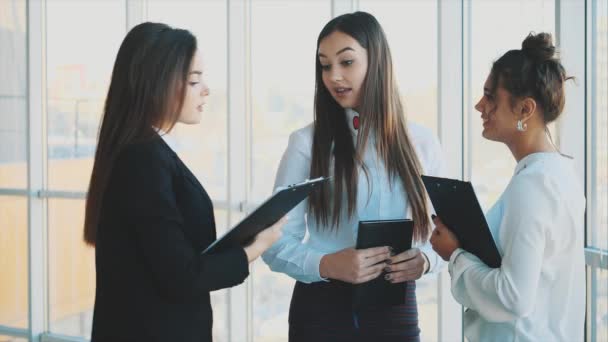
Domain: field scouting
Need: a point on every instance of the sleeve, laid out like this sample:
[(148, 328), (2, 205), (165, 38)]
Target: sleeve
[(506, 293), (435, 166), (290, 255), (149, 202)]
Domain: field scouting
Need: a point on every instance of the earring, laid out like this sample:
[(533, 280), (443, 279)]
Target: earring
[(521, 126)]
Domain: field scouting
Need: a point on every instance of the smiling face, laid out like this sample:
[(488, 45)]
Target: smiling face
[(196, 92), (499, 119), (344, 67)]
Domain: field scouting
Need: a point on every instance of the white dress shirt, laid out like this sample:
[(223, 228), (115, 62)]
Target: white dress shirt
[(538, 293), (299, 251)]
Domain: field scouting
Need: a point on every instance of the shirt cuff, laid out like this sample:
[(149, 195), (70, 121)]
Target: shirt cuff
[(435, 261), (312, 265)]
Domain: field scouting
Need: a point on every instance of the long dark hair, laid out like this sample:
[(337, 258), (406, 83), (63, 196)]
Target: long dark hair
[(147, 90), (382, 116)]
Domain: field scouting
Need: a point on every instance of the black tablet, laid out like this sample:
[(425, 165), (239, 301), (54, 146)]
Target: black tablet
[(264, 216), (393, 233), (457, 206)]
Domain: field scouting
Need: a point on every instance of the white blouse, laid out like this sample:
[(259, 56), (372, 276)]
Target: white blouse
[(538, 293), (299, 251)]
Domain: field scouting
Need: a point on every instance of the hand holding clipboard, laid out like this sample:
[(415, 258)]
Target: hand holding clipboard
[(264, 216), (457, 207)]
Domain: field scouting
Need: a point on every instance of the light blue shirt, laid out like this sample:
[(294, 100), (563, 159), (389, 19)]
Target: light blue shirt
[(299, 251), (538, 293)]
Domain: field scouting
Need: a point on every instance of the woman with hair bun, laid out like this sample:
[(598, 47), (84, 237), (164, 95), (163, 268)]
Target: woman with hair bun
[(538, 293)]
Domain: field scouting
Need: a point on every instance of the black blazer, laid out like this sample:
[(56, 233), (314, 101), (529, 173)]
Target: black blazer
[(152, 282)]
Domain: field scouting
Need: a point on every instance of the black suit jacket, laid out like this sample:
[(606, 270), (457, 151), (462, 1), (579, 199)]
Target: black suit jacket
[(152, 282)]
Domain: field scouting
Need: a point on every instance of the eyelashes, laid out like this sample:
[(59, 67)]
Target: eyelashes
[(345, 63)]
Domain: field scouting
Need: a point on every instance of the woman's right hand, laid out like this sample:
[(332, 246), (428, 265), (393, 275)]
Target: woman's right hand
[(355, 266), (265, 239)]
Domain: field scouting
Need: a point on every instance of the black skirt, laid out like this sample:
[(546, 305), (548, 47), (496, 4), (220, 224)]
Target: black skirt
[(323, 311)]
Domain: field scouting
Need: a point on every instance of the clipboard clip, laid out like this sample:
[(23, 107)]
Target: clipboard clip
[(314, 180)]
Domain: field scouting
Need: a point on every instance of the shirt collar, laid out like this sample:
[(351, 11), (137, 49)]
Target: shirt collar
[(533, 158), (169, 139)]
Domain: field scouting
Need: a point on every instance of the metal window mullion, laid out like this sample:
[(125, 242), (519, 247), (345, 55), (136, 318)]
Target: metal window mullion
[(450, 95), (36, 161), (238, 26), (16, 332)]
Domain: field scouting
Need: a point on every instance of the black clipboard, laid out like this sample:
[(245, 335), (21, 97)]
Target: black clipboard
[(393, 233), (264, 216), (457, 206)]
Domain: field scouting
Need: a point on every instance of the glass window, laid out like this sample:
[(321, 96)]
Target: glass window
[(411, 30), (13, 262), (11, 339), (490, 164), (13, 98), (282, 89), (71, 270), (597, 305), (82, 42), (597, 152), (597, 231), (204, 147)]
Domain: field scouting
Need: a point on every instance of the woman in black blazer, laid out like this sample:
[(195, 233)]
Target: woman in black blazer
[(146, 213)]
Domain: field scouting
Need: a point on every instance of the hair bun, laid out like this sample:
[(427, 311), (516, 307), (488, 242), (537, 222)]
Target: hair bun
[(538, 47)]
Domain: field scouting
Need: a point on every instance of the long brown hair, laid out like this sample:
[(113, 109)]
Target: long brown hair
[(382, 116), (147, 90)]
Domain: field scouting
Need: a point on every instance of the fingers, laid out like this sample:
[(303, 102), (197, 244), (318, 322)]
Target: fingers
[(412, 265), (375, 259), (400, 277), (409, 254), (377, 270), (375, 251)]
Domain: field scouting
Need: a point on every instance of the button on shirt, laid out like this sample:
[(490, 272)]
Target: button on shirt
[(299, 251), (538, 293)]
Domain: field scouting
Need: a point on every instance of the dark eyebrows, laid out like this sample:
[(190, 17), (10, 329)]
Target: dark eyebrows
[(339, 52), (196, 72)]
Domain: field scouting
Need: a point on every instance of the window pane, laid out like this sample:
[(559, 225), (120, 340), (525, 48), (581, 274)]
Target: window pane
[(491, 164), (13, 90), (282, 88), (597, 230), (13, 262), (203, 147), (4, 338), (83, 38), (597, 314), (411, 30), (71, 269)]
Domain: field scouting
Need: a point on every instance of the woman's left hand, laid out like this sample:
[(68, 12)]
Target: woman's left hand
[(409, 265), (443, 240)]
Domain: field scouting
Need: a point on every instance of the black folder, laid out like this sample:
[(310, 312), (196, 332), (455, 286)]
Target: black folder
[(457, 206), (267, 214), (393, 233)]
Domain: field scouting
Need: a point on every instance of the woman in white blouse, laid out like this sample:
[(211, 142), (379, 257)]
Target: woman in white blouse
[(538, 293), (360, 137)]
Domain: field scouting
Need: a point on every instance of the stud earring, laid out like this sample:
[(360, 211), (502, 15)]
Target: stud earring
[(521, 126)]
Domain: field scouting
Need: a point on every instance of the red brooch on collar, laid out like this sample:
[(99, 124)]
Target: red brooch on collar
[(356, 122)]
